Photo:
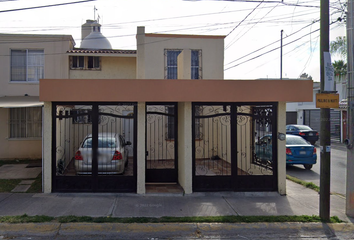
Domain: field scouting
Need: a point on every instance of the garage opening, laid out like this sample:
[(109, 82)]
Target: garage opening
[(94, 147), (233, 147)]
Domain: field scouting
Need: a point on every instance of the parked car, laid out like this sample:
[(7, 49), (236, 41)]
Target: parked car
[(303, 131), (298, 151), (112, 154)]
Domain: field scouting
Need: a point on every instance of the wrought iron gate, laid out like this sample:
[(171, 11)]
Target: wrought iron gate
[(234, 148), (161, 142), (93, 147)]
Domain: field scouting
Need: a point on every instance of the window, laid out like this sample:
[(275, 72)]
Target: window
[(85, 63), (171, 69), (171, 123), (26, 122), (27, 65)]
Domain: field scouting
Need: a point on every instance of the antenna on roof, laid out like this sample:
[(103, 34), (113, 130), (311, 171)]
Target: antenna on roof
[(94, 12)]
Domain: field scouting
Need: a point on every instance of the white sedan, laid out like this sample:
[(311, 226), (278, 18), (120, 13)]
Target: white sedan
[(112, 154)]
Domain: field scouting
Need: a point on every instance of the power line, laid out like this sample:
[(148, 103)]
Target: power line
[(270, 50), (244, 18), (45, 6)]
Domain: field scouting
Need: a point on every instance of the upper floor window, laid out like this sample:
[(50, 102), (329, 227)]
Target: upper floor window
[(85, 62), (171, 59), (27, 65)]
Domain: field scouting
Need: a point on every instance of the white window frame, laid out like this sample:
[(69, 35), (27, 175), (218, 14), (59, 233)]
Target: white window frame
[(27, 66)]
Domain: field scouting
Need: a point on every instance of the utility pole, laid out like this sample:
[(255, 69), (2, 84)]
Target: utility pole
[(325, 139), (350, 116)]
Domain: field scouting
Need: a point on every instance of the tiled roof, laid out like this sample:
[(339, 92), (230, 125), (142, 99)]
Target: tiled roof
[(107, 51)]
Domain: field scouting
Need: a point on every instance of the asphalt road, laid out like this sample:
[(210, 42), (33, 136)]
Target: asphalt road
[(338, 169)]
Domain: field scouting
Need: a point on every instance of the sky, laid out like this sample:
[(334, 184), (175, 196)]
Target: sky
[(252, 28)]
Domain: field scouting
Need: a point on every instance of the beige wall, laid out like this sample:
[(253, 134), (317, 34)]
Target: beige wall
[(281, 149), (185, 174), (56, 60), (47, 147), (151, 53), (111, 67)]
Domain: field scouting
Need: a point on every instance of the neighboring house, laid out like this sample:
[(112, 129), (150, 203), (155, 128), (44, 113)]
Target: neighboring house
[(306, 113), (26, 58), (186, 124)]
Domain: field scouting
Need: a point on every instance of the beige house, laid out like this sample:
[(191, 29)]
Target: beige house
[(186, 124)]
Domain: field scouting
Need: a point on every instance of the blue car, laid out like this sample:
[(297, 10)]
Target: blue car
[(298, 151), (303, 131)]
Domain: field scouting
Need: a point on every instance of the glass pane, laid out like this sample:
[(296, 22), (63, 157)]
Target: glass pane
[(18, 65)]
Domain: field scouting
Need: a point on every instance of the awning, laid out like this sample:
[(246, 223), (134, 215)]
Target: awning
[(19, 101)]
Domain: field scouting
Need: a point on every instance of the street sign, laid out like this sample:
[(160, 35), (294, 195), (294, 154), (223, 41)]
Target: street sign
[(327, 100)]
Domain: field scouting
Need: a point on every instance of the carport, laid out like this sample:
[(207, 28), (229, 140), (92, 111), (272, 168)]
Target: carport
[(197, 133)]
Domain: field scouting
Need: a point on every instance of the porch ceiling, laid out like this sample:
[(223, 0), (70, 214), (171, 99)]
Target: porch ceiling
[(163, 90)]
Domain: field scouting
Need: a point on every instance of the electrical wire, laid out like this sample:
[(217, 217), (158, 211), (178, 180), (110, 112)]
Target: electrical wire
[(45, 6)]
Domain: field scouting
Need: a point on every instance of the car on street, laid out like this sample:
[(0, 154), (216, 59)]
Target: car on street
[(303, 131), (298, 151), (112, 154)]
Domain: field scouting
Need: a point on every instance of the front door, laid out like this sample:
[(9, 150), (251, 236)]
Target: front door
[(161, 143)]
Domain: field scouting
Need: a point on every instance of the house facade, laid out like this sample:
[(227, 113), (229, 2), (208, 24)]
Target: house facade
[(178, 119), (24, 60)]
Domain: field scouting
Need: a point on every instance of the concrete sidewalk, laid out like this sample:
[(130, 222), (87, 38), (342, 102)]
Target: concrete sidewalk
[(298, 201)]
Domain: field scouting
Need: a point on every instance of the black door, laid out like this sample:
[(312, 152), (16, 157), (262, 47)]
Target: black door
[(226, 150), (161, 143)]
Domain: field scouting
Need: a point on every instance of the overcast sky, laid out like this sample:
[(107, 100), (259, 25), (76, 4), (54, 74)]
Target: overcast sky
[(253, 29)]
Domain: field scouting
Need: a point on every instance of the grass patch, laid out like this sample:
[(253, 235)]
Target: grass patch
[(217, 219), (36, 187), (310, 185), (19, 161), (6, 185), (25, 219)]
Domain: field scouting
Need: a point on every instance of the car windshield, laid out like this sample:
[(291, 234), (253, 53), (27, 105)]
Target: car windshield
[(102, 143), (304, 128), (293, 140)]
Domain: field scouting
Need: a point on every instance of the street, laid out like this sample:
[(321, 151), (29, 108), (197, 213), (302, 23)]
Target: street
[(338, 169)]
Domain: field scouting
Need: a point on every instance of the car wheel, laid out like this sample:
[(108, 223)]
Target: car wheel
[(308, 166), (313, 143)]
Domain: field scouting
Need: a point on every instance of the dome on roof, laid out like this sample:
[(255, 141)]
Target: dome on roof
[(95, 40)]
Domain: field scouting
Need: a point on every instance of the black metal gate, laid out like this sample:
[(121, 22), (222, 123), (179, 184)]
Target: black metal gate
[(93, 147), (161, 143), (234, 147)]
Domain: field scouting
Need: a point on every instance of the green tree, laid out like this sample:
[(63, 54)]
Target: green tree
[(340, 70), (339, 47)]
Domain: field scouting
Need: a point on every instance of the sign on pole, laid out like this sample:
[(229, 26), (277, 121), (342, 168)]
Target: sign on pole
[(327, 100), (329, 73)]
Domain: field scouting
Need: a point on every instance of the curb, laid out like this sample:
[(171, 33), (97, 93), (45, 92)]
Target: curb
[(138, 230)]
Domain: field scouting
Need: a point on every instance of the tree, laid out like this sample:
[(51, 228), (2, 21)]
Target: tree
[(340, 70), (305, 75), (339, 47)]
